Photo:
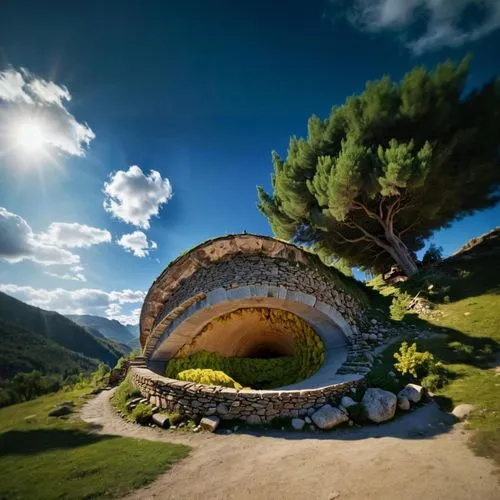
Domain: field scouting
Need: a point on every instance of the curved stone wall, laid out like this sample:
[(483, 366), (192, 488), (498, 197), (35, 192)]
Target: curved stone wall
[(248, 271), (198, 400)]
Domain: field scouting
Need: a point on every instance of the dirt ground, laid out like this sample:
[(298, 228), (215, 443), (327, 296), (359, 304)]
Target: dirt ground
[(421, 455)]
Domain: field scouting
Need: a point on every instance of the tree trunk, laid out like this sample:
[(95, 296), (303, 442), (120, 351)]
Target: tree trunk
[(400, 253)]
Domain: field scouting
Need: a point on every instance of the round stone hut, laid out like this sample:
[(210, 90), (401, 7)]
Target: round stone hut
[(228, 296)]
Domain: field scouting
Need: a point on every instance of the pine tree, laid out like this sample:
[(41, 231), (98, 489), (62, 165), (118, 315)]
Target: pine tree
[(389, 167)]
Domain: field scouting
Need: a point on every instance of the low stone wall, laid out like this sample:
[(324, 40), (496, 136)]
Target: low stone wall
[(192, 399)]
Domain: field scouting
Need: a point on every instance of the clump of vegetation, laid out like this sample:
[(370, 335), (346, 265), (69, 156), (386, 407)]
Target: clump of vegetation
[(208, 377), (410, 360), (141, 414), (175, 418), (433, 255), (124, 393), (399, 306), (308, 355)]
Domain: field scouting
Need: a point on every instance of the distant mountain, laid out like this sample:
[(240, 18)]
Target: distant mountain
[(109, 328), (24, 351), (134, 330), (34, 324)]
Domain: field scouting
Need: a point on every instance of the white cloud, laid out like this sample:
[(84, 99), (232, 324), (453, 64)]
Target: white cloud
[(135, 197), (442, 20), (27, 98), (75, 274), (81, 301), (137, 243), (74, 235), (18, 242)]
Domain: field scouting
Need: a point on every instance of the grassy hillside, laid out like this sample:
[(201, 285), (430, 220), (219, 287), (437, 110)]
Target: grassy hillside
[(24, 351), (109, 328), (46, 457), (58, 329), (465, 292)]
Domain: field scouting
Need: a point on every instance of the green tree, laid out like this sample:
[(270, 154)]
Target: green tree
[(375, 179)]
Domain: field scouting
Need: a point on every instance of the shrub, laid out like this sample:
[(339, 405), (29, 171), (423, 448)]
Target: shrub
[(208, 377), (125, 391), (399, 306), (358, 413), (142, 413), (409, 360), (462, 352), (175, 418), (27, 386), (433, 381)]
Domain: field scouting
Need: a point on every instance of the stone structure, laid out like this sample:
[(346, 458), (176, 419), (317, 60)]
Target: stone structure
[(240, 272)]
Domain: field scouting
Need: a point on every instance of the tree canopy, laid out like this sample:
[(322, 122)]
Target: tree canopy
[(390, 166)]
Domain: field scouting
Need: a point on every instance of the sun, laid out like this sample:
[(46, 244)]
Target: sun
[(29, 136)]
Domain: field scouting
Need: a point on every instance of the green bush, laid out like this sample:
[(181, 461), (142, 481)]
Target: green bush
[(27, 386), (358, 413), (125, 391), (208, 377), (175, 418), (410, 361), (142, 413), (399, 306)]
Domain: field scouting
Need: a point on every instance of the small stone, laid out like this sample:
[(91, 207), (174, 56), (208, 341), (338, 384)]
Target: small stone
[(308, 419), (210, 423), (374, 321), (197, 429), (61, 410), (161, 420), (463, 411), (181, 425), (372, 336), (346, 401), (253, 420), (298, 424), (350, 423), (403, 403), (412, 392), (222, 409)]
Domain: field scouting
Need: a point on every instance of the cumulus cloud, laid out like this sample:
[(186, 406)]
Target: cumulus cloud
[(135, 197), (18, 242), (81, 301), (137, 243), (74, 235), (442, 20), (26, 97)]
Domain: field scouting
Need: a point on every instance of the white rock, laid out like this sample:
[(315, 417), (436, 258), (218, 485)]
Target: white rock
[(298, 424), (308, 419), (210, 423), (161, 420), (412, 392), (380, 405), (346, 401), (463, 411), (403, 403), (328, 417)]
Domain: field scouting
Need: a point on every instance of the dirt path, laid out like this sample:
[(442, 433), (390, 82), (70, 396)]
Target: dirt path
[(420, 455)]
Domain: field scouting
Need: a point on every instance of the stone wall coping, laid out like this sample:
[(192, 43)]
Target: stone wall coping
[(251, 393)]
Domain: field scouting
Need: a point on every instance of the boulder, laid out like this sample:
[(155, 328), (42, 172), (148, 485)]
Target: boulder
[(210, 423), (346, 401), (253, 420), (463, 411), (298, 424), (380, 405), (161, 420), (61, 410), (412, 392), (328, 417), (403, 403)]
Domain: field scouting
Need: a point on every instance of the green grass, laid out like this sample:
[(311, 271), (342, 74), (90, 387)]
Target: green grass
[(45, 457)]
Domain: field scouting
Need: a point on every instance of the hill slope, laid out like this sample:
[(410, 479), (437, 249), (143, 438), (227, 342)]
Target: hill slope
[(109, 328), (24, 351), (60, 330)]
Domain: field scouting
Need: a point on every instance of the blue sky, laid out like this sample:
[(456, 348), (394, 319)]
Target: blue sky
[(199, 92)]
